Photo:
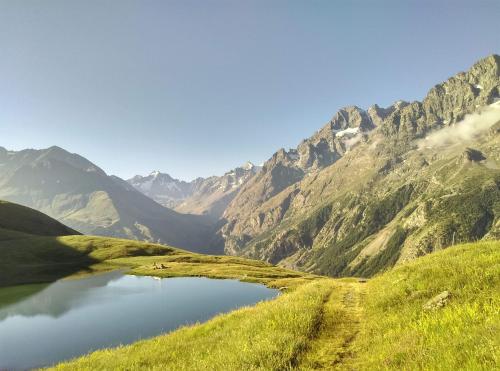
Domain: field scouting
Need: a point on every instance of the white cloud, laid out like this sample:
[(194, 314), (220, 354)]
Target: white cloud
[(466, 130)]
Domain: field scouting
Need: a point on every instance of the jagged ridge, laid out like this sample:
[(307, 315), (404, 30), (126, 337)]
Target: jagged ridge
[(334, 204)]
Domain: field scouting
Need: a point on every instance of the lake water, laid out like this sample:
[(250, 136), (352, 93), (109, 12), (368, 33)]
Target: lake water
[(73, 317)]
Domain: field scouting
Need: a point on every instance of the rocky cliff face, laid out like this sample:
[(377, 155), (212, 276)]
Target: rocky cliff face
[(286, 168), (448, 102), (367, 190)]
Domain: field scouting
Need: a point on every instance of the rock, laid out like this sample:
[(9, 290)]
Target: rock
[(472, 155), (494, 130), (438, 301)]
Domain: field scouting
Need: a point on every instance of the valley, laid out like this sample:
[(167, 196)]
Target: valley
[(372, 245), (371, 189)]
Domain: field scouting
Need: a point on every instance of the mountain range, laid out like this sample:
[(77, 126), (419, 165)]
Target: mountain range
[(79, 194), (371, 188), (405, 180), (202, 196)]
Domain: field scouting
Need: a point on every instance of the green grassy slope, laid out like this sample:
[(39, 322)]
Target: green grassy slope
[(35, 248), (14, 217), (32, 259), (397, 333), (344, 324)]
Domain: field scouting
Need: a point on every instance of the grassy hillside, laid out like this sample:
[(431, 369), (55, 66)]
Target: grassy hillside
[(18, 218), (35, 248), (345, 324), (33, 259), (397, 333)]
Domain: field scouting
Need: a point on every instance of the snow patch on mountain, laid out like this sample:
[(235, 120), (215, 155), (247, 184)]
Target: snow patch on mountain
[(341, 133)]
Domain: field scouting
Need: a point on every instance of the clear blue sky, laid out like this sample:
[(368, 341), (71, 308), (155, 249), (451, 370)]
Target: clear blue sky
[(195, 88)]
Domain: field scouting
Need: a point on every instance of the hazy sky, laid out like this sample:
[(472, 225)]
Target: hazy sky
[(195, 88)]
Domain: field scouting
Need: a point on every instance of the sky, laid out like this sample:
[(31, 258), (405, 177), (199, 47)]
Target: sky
[(196, 88)]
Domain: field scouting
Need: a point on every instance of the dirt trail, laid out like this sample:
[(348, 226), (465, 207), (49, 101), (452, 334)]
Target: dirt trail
[(332, 347)]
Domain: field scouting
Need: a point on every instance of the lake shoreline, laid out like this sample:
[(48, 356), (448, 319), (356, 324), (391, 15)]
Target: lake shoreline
[(112, 309)]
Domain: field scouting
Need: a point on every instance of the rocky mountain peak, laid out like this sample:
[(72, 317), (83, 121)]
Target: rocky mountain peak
[(448, 102), (326, 146), (486, 68), (248, 166), (207, 196), (350, 117)]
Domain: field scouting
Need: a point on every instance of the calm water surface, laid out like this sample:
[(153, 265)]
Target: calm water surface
[(73, 317)]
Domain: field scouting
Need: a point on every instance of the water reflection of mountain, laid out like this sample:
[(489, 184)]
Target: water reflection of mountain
[(60, 297)]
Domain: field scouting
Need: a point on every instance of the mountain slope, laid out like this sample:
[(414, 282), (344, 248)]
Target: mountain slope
[(35, 248), (202, 196), (17, 218), (389, 195), (212, 195), (76, 192)]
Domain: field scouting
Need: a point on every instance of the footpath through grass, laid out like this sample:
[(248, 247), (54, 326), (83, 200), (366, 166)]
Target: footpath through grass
[(331, 346)]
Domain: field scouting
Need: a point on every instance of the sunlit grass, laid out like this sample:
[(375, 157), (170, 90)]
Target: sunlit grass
[(314, 324), (31, 259), (398, 334)]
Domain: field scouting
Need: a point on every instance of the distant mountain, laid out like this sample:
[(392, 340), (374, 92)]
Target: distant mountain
[(78, 193), (162, 188), (202, 196), (365, 191)]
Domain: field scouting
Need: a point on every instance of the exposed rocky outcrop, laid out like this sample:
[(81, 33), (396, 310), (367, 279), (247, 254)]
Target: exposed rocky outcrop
[(448, 102), (472, 155), (438, 301)]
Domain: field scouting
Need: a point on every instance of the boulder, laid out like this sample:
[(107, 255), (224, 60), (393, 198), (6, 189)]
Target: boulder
[(438, 301)]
